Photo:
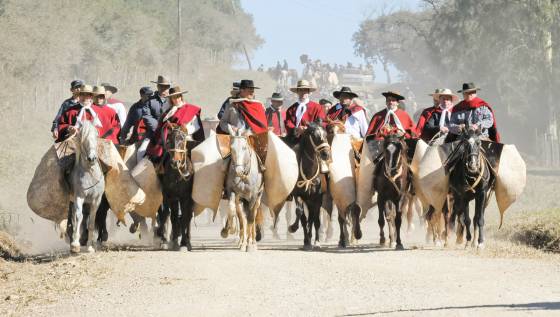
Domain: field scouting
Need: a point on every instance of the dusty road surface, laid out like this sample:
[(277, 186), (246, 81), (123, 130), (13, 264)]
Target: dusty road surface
[(281, 280)]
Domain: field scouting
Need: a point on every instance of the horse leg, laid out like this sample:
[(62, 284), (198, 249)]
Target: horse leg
[(467, 222), (101, 220), (163, 226), (398, 222), (242, 224), (77, 216), (288, 215), (381, 221), (480, 204), (355, 211), (175, 223), (306, 235), (391, 214), (84, 225), (343, 239), (458, 216), (315, 216), (92, 221), (299, 213), (186, 217), (231, 210), (259, 221)]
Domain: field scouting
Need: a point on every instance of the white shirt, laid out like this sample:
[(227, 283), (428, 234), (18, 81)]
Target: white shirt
[(120, 110), (356, 124), (301, 109)]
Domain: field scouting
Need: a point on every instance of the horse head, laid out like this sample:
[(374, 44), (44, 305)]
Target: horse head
[(240, 151), (393, 154), (472, 149), (317, 138), (176, 146), (88, 141)]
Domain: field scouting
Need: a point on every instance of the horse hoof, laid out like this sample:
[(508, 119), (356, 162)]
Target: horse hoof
[(358, 234), (399, 247), (317, 245), (342, 245), (382, 241), (439, 244), (224, 233), (243, 247), (164, 246), (293, 228), (258, 236), (481, 246), (183, 249), (307, 247), (251, 248), (393, 244), (133, 228), (90, 249), (75, 247)]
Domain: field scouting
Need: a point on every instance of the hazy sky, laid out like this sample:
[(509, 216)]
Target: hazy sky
[(322, 29)]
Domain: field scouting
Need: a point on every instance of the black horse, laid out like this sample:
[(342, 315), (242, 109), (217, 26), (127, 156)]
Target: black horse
[(312, 151), (392, 183), (470, 165), (177, 184)]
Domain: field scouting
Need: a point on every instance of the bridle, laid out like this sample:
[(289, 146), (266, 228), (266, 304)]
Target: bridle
[(307, 182), (246, 166), (179, 154), (400, 165)]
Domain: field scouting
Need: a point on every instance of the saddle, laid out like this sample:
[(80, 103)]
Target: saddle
[(258, 142)]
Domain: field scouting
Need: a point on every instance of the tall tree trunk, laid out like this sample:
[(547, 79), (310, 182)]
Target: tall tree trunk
[(386, 69)]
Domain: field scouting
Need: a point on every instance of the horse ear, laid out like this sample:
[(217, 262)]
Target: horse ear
[(319, 121)]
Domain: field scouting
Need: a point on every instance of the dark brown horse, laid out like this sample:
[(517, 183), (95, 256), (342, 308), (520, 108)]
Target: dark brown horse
[(392, 184), (312, 152), (177, 183)]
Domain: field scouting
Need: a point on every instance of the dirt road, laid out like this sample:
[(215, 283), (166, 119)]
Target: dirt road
[(280, 279)]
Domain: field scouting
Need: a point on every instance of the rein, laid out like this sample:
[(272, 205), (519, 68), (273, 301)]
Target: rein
[(307, 182), (244, 177), (181, 167)]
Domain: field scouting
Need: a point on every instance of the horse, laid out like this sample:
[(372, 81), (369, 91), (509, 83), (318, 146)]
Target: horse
[(392, 185), (244, 188), (88, 185), (177, 184), (470, 177), (349, 219), (312, 152)]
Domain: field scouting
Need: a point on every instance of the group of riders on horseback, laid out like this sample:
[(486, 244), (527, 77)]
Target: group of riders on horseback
[(152, 120)]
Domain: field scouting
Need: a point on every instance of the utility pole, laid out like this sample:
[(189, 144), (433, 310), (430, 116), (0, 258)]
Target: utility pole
[(178, 39)]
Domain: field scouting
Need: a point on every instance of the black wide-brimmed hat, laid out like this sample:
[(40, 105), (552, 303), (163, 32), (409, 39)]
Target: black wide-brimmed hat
[(110, 87), (276, 96), (175, 91), (468, 87), (394, 94), (162, 81), (247, 83), (344, 90)]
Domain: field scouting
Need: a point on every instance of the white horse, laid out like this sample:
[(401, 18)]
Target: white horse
[(88, 185)]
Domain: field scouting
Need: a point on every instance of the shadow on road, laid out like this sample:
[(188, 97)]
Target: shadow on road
[(522, 307)]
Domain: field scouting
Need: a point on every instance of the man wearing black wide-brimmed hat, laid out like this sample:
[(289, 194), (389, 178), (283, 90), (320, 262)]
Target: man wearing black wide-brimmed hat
[(247, 113), (352, 115), (473, 113), (392, 119), (134, 121), (156, 106)]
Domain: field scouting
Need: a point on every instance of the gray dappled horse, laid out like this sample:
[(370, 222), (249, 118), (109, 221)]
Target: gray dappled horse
[(88, 185), (244, 188)]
